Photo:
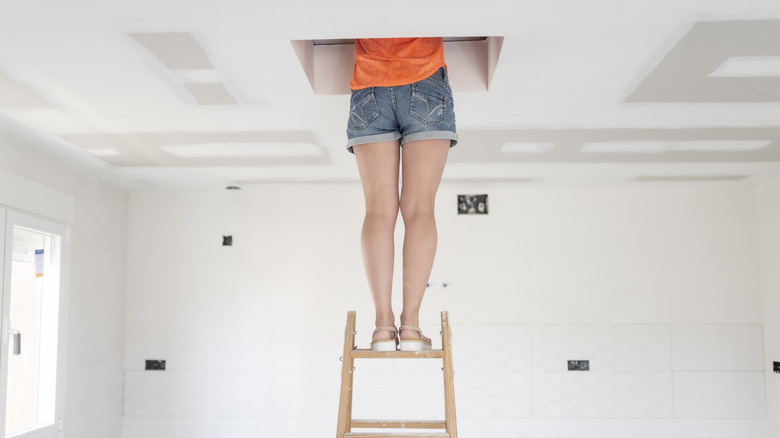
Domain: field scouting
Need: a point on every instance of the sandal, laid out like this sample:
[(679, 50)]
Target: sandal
[(385, 344), (414, 344)]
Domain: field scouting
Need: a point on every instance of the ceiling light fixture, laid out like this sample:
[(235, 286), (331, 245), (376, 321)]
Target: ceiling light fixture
[(102, 152), (530, 148), (216, 150), (658, 146), (722, 145), (633, 147), (748, 67)]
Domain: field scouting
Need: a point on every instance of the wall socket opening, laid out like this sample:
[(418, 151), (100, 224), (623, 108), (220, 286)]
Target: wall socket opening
[(776, 367), (155, 365), (579, 365)]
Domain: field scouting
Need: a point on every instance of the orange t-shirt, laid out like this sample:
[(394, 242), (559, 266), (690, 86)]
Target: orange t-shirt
[(389, 62)]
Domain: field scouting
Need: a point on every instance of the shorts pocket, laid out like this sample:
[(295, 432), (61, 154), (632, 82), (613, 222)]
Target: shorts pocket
[(363, 109), (429, 102)]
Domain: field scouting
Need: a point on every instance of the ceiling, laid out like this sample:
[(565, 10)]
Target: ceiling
[(169, 94)]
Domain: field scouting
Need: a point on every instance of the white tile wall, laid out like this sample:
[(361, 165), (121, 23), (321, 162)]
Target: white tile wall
[(719, 394), (718, 347), (634, 428), (241, 427), (610, 394), (494, 394), (420, 395), (191, 393), (492, 348), (373, 393), (607, 347), (683, 428), (495, 428)]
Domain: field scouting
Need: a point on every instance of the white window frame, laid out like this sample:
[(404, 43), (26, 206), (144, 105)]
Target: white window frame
[(9, 219)]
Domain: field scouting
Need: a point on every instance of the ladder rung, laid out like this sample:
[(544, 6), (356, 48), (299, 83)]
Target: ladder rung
[(396, 435), (398, 424), (366, 353)]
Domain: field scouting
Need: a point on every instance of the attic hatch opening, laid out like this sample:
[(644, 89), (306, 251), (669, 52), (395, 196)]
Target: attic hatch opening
[(471, 62)]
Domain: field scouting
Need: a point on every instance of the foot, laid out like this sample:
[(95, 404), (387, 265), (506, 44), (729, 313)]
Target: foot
[(412, 339), (385, 338)]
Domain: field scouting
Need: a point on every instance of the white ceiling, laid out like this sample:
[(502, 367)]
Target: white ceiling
[(170, 94)]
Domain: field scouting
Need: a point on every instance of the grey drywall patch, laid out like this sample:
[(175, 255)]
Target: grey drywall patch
[(175, 50), (211, 94), (684, 74)]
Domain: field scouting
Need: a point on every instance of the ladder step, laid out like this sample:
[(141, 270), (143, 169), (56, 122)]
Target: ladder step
[(386, 435), (398, 424), (366, 353)]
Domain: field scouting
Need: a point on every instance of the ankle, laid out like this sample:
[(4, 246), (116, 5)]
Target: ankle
[(388, 320), (415, 320)]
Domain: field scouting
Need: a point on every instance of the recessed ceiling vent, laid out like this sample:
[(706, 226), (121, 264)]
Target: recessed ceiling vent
[(471, 62)]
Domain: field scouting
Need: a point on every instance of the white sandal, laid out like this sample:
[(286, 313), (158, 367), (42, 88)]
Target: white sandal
[(385, 344), (414, 344)]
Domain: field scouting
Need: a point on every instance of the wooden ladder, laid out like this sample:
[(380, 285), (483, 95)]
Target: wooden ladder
[(346, 423)]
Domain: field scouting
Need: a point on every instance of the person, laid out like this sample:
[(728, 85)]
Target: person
[(401, 120)]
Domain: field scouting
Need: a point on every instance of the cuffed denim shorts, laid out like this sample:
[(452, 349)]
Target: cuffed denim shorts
[(423, 110)]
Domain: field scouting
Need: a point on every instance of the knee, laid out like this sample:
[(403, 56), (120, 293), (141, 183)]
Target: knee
[(413, 210), (383, 214)]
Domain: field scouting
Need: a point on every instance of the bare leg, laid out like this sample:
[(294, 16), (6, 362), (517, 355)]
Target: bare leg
[(422, 167), (378, 165)]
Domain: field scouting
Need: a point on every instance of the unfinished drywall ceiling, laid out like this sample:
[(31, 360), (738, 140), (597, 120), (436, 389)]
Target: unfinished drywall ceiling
[(550, 93)]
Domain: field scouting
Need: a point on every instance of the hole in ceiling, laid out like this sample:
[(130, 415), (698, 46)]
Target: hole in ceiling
[(471, 62)]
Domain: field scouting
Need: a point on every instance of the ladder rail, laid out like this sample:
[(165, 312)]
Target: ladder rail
[(347, 374)]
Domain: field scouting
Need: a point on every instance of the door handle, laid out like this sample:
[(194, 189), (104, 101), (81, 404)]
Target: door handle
[(17, 341)]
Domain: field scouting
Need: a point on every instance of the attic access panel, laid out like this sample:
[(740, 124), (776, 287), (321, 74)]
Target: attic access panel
[(471, 62)]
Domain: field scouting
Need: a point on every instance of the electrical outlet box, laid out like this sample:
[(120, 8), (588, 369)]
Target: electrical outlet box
[(579, 365), (155, 365), (776, 367)]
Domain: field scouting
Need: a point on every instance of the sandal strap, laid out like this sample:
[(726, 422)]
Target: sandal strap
[(411, 327), (389, 328)]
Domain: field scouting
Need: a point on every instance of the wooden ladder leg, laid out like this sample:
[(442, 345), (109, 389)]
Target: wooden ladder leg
[(449, 385), (347, 374)]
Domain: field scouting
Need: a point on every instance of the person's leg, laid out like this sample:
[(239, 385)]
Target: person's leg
[(378, 165), (422, 167)]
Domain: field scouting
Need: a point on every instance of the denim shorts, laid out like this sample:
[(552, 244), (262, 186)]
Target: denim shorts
[(423, 110)]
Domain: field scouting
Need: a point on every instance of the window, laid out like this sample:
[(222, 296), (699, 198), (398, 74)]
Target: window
[(32, 298)]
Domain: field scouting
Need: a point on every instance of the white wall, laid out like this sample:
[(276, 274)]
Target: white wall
[(96, 293), (768, 200), (657, 287)]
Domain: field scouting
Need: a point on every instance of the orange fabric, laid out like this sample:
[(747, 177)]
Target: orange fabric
[(388, 62)]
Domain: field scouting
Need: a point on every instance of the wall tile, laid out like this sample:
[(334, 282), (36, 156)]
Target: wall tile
[(602, 394), (718, 347), (493, 394), (607, 347), (719, 394), (492, 348), (191, 393)]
